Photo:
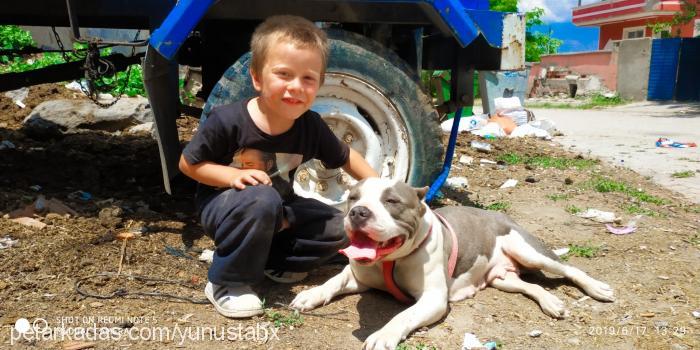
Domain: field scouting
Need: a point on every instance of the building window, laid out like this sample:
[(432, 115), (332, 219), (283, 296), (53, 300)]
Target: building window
[(633, 32)]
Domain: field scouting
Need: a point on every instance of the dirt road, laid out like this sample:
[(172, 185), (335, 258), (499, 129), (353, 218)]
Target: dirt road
[(56, 274)]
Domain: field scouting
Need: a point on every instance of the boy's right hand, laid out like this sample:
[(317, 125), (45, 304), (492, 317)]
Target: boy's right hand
[(250, 177)]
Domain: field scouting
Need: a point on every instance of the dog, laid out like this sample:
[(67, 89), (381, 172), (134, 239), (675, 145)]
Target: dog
[(398, 244)]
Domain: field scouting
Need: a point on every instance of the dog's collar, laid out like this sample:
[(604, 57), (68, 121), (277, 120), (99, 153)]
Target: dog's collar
[(388, 266)]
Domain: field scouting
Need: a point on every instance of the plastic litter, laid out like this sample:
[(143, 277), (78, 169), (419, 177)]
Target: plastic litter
[(466, 160), (669, 143), (529, 130), (82, 195), (206, 256), (509, 183), (458, 182), (481, 146), (696, 314), (471, 342), (6, 145), (35, 188), (560, 251), (18, 96), (630, 227), (465, 123), (598, 215), (7, 242), (176, 252), (487, 161), (492, 345), (490, 130)]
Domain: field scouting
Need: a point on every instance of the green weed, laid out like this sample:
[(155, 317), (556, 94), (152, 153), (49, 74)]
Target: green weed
[(280, 319), (572, 209), (595, 101), (583, 251), (499, 206), (547, 161), (420, 346), (606, 185), (695, 240), (558, 196), (636, 209), (683, 174)]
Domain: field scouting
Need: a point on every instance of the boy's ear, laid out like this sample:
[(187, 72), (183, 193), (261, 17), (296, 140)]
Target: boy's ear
[(257, 84)]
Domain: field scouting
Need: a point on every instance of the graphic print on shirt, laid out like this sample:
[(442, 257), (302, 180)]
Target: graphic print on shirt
[(276, 165)]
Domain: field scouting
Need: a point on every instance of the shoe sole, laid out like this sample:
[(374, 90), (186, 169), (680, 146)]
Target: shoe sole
[(228, 313), (284, 280)]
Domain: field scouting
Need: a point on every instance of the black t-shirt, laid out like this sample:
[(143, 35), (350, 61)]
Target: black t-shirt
[(230, 137)]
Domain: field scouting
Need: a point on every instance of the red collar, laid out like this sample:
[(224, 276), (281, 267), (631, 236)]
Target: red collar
[(388, 266)]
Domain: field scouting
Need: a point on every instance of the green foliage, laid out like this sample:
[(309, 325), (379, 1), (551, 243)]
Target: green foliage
[(583, 251), (604, 185), (685, 15), (547, 161), (279, 319), (13, 37), (572, 209), (420, 346), (499, 206), (683, 174), (134, 84), (596, 101), (504, 5), (558, 196), (637, 209)]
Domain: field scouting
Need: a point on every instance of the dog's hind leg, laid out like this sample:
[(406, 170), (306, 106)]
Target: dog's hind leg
[(516, 247), (550, 304)]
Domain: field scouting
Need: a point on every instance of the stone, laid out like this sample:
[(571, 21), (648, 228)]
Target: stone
[(110, 216), (57, 117)]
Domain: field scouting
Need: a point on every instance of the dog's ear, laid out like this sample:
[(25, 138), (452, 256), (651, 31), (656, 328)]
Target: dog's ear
[(421, 191)]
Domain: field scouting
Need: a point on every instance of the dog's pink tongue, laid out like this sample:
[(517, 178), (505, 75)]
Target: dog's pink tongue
[(354, 252)]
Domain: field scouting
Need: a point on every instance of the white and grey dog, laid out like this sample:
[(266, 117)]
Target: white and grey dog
[(399, 245)]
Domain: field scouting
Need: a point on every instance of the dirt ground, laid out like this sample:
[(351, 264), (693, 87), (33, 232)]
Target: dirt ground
[(654, 270)]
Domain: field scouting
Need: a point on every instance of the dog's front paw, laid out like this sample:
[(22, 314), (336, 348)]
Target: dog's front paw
[(309, 299), (600, 291), (382, 340), (553, 306)]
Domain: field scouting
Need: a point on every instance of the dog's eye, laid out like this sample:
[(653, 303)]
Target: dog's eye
[(352, 198), (392, 201)]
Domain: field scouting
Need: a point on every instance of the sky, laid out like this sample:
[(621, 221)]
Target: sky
[(557, 18)]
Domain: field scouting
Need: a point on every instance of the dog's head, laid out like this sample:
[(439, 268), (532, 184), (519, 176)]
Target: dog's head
[(382, 219)]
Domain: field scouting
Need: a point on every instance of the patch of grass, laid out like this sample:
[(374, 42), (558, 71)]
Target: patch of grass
[(637, 209), (279, 319), (547, 161), (500, 206), (694, 240), (583, 251), (558, 196), (595, 101), (572, 209), (683, 174), (604, 185), (420, 346)]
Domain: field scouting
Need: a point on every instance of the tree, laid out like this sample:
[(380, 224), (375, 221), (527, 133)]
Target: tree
[(685, 15), (536, 43)]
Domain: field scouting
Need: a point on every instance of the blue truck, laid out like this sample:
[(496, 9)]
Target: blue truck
[(372, 99)]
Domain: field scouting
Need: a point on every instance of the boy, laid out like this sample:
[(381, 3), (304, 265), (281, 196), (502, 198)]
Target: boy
[(256, 230)]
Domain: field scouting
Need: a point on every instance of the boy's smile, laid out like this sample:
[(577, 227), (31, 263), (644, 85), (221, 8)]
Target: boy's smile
[(288, 83)]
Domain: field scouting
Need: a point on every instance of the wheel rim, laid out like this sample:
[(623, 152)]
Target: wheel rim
[(360, 115)]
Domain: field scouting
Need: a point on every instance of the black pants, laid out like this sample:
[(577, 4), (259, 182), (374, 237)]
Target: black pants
[(244, 225)]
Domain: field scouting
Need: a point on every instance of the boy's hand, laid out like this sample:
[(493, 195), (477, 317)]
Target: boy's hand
[(250, 177)]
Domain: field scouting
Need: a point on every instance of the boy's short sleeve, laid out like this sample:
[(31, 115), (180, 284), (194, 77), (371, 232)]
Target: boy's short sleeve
[(213, 141), (331, 151)]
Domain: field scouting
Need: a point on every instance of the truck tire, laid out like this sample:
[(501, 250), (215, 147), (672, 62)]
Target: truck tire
[(371, 100)]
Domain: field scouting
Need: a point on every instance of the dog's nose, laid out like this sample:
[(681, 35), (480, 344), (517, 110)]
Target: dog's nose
[(359, 214)]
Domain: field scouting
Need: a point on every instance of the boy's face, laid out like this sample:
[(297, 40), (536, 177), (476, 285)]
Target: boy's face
[(289, 80)]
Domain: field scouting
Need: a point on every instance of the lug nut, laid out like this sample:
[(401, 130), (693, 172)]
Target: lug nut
[(348, 138), (303, 176)]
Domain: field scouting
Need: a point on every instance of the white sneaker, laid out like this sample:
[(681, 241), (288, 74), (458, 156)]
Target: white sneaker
[(281, 276), (234, 302)]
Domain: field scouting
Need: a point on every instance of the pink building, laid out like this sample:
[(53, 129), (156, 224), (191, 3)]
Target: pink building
[(629, 19)]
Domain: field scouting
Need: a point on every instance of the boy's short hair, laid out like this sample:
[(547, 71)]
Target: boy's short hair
[(294, 29)]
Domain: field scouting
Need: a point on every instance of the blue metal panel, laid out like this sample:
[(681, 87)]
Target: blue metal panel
[(177, 26), (465, 18), (663, 68), (688, 84)]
